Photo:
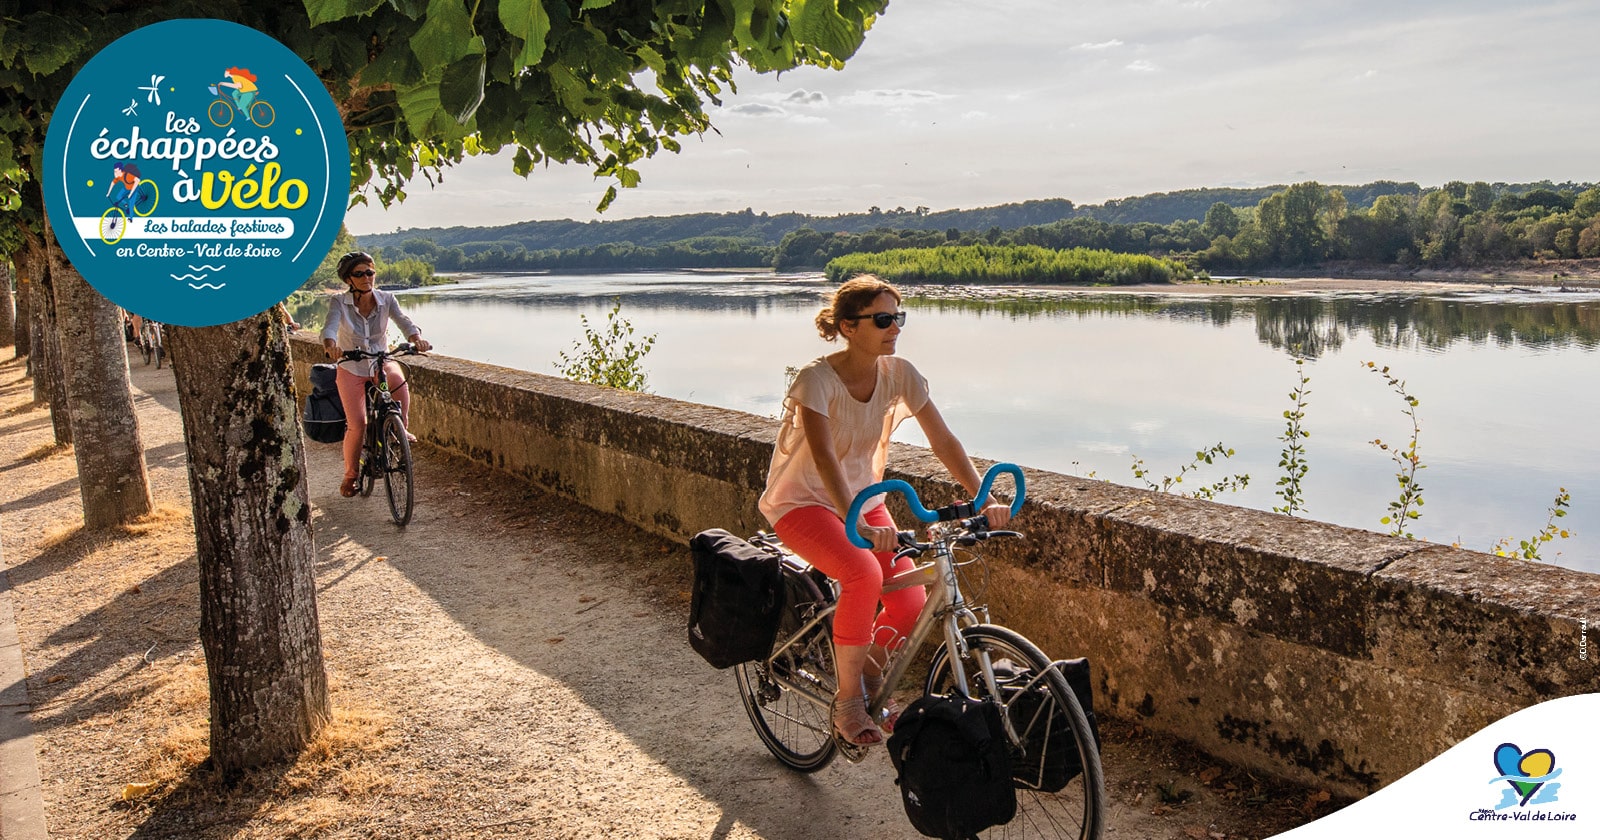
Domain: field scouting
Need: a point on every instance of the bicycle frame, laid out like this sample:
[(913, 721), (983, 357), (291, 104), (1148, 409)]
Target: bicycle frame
[(945, 605)]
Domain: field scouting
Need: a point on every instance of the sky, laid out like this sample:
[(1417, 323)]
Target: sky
[(960, 104)]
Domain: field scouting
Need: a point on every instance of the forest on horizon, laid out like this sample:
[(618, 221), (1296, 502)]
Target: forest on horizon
[(1213, 229)]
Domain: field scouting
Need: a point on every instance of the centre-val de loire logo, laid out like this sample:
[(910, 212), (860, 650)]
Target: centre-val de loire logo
[(1529, 780)]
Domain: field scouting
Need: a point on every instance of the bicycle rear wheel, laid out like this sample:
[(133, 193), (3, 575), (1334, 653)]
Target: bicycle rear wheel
[(1077, 810), (397, 468), (796, 729)]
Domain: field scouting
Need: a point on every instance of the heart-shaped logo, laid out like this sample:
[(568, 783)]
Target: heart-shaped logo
[(1510, 760)]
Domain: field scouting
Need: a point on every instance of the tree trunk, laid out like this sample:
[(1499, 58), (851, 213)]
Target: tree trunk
[(105, 431), (24, 286), (49, 385), (8, 316), (252, 521)]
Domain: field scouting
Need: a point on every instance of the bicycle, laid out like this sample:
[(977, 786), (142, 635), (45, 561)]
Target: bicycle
[(788, 695), (140, 201), (221, 110), (151, 344), (386, 449)]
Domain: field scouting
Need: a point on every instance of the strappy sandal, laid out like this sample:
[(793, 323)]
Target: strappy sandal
[(853, 724), (891, 709)]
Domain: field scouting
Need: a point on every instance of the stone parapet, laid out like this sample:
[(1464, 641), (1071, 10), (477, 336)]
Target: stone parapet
[(1328, 655)]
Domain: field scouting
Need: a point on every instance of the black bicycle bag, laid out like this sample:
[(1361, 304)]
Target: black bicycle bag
[(737, 600), (324, 415), (950, 752), (1048, 756)]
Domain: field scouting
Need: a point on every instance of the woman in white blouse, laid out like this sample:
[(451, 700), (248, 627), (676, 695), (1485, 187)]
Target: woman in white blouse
[(833, 442), (359, 320)]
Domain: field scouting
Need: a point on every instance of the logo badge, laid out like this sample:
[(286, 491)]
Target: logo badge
[(1529, 775), (196, 172)]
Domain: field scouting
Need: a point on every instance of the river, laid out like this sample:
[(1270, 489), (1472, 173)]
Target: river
[(1085, 383)]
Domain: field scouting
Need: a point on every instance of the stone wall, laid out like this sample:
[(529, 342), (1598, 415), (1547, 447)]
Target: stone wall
[(1328, 655)]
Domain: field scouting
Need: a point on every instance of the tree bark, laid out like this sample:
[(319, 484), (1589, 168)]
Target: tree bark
[(49, 385), (8, 315), (105, 431), (24, 286), (252, 519)]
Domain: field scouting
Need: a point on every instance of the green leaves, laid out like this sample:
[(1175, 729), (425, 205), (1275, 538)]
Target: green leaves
[(610, 357), (327, 11), (819, 22), (528, 21), (446, 35)]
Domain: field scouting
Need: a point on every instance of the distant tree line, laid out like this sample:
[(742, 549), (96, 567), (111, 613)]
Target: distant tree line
[(1384, 222)]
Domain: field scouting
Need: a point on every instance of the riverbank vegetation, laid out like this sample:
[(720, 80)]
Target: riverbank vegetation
[(1014, 264), (1381, 226)]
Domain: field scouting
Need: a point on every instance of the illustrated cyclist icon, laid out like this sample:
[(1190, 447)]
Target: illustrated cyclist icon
[(129, 193), (243, 98)]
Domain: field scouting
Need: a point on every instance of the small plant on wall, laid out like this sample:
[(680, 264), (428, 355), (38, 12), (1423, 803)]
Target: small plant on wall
[(608, 356)]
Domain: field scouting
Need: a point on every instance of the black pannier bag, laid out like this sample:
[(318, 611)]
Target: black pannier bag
[(1051, 757), (737, 600), (324, 415), (954, 766)]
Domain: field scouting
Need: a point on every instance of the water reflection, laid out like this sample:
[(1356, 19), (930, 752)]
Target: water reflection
[(1081, 382), (1312, 326)]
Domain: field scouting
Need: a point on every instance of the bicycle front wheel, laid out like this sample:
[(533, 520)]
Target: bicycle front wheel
[(397, 468), (793, 727), (113, 225), (1035, 710)]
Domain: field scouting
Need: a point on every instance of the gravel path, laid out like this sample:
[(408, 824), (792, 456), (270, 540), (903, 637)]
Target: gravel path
[(508, 665)]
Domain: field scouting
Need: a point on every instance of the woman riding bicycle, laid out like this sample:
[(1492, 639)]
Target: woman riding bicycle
[(833, 442), (359, 320)]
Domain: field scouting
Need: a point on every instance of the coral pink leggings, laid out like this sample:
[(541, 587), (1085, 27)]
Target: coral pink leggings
[(353, 394), (817, 534)]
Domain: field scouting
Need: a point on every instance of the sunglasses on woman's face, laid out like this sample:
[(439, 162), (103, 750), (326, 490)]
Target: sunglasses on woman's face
[(882, 320), (368, 273)]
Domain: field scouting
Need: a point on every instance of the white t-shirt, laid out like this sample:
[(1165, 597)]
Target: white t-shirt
[(861, 432)]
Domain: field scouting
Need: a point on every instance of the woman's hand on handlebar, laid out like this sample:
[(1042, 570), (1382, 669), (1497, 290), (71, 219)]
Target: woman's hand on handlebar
[(998, 515), (420, 344), (882, 539), (331, 347)]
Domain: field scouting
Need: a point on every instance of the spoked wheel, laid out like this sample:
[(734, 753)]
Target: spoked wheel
[(397, 468), (371, 461), (793, 726), (1040, 754), (113, 225)]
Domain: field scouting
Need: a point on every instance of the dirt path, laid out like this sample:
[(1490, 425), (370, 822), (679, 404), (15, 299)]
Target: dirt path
[(509, 665)]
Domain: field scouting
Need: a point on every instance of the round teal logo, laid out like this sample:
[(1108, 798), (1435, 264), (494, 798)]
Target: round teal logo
[(196, 172)]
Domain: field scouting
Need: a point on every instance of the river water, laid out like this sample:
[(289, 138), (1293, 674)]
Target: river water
[(1085, 383)]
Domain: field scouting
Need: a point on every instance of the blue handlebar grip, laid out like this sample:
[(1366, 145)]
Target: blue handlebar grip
[(852, 520), (988, 481)]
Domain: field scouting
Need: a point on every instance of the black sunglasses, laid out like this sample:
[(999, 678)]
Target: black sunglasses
[(368, 273), (882, 320)]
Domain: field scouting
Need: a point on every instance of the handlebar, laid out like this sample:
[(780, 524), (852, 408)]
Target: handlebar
[(402, 349), (961, 510)]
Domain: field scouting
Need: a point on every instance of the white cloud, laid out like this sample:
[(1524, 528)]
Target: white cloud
[(756, 109), (807, 97), (894, 98), (1142, 66), (975, 115), (1103, 45)]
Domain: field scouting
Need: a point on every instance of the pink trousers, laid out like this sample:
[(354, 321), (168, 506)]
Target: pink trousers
[(353, 396), (817, 534)]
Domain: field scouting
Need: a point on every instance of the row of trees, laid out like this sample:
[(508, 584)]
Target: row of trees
[(1459, 224), (420, 86), (510, 256)]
